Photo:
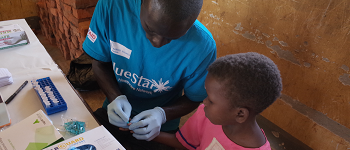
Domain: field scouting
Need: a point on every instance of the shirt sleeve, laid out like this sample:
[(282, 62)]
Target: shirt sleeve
[(194, 86), (96, 43), (190, 133)]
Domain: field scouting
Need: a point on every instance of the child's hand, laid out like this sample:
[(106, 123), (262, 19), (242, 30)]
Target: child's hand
[(125, 129)]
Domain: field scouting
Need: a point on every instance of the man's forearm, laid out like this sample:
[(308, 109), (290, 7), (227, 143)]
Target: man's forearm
[(180, 108), (106, 79)]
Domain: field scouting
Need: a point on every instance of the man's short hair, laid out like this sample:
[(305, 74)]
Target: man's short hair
[(180, 10), (251, 80)]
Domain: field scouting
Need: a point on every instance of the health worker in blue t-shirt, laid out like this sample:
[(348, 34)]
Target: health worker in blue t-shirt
[(150, 61)]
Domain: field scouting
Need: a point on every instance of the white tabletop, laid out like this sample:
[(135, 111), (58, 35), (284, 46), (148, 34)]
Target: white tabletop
[(30, 62)]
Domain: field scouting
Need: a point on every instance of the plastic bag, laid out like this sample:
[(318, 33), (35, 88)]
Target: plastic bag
[(73, 126), (80, 74)]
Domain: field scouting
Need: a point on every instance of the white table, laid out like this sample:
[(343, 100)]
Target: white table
[(30, 62)]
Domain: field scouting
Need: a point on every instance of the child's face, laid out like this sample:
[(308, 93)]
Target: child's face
[(218, 109)]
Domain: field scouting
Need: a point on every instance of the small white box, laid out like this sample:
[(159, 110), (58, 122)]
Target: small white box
[(12, 35)]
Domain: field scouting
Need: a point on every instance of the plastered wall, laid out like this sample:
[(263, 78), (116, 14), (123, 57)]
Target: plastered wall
[(309, 41), (17, 9)]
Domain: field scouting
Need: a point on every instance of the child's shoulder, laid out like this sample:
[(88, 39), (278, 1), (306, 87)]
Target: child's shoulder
[(201, 106), (253, 142), (199, 114)]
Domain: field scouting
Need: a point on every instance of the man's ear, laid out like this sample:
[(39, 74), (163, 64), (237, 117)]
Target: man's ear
[(242, 114)]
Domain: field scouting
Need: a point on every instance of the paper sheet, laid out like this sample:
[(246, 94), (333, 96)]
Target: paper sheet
[(4, 115)]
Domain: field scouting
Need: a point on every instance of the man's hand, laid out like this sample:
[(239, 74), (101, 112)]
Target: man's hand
[(119, 112), (146, 125)]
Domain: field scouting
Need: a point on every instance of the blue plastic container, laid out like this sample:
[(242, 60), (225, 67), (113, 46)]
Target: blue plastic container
[(51, 99)]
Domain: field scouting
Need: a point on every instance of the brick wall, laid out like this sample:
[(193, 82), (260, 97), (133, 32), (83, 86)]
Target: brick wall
[(66, 23)]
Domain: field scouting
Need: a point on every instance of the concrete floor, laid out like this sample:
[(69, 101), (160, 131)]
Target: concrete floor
[(278, 138)]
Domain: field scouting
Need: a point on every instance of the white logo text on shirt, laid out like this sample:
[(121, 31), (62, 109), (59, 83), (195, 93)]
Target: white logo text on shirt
[(120, 50), (140, 83)]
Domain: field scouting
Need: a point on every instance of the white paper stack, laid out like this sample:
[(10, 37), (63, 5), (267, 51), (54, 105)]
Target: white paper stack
[(5, 77)]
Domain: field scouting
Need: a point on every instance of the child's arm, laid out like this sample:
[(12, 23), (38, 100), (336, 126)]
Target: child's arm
[(168, 139)]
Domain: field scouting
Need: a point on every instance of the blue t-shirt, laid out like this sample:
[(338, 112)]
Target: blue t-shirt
[(147, 75)]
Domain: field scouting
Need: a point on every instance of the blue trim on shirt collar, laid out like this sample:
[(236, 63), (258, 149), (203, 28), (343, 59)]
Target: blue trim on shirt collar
[(186, 140)]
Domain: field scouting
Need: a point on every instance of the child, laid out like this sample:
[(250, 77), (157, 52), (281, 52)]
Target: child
[(239, 87)]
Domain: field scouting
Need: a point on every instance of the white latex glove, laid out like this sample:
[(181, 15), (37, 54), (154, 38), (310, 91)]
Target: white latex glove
[(146, 125), (119, 111)]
